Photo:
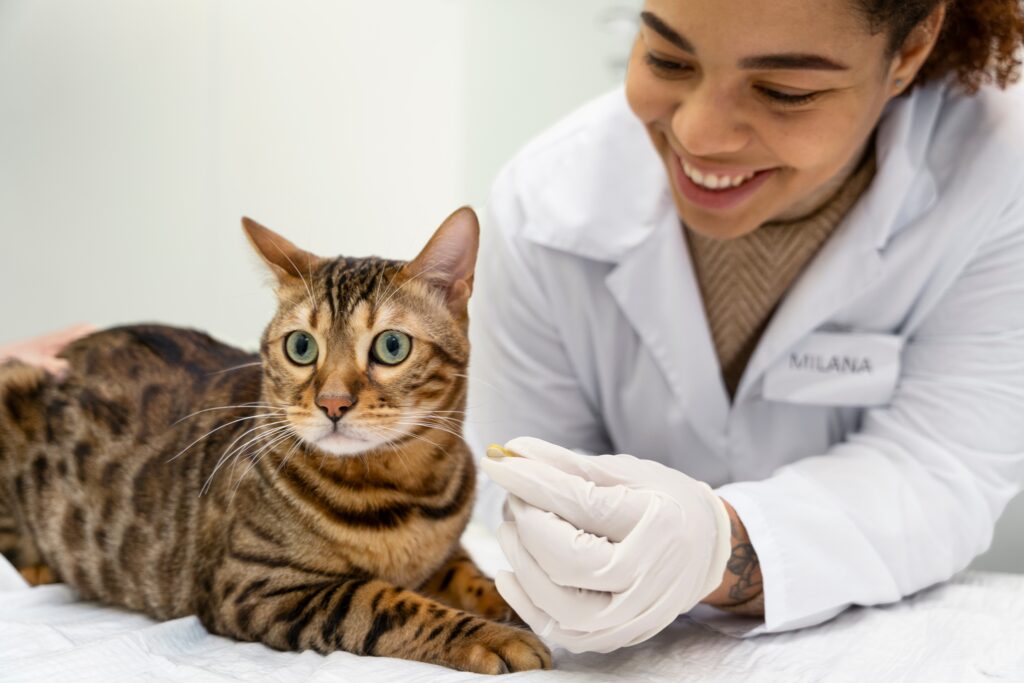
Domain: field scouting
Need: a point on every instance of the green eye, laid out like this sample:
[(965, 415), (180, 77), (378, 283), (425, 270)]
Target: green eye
[(391, 347), (301, 347)]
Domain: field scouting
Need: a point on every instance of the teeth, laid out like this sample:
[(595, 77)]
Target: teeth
[(713, 182)]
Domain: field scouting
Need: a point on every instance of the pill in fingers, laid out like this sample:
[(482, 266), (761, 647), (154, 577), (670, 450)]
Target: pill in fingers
[(497, 452)]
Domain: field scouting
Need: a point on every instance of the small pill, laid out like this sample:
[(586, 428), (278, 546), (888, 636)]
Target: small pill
[(495, 451)]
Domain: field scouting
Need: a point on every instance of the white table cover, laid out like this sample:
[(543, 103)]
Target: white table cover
[(971, 628)]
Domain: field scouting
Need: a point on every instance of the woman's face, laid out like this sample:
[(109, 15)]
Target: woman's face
[(758, 108)]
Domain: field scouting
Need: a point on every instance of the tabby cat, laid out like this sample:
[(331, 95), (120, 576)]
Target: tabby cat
[(310, 497)]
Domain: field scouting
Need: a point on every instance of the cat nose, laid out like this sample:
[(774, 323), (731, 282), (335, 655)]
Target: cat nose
[(335, 405)]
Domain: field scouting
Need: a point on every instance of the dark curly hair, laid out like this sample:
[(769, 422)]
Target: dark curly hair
[(980, 40)]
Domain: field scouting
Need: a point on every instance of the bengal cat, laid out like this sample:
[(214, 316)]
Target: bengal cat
[(310, 497)]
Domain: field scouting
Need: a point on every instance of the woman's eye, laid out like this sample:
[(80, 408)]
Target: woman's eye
[(300, 347), (787, 99), (391, 347), (666, 66)]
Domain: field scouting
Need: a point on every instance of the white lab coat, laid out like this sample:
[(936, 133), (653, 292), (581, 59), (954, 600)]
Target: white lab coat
[(589, 331)]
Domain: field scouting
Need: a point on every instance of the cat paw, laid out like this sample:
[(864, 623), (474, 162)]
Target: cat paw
[(485, 600), (499, 649), (38, 575)]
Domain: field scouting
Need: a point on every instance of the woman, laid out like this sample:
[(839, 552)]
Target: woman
[(807, 293)]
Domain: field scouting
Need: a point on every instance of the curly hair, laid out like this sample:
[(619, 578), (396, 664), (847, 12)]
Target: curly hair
[(980, 41)]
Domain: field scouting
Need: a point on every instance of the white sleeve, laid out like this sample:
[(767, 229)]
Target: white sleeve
[(913, 496), (521, 381)]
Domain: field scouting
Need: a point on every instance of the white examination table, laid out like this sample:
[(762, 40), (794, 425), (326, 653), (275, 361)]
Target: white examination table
[(969, 629)]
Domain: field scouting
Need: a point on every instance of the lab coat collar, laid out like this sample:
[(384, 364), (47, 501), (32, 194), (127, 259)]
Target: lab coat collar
[(594, 185)]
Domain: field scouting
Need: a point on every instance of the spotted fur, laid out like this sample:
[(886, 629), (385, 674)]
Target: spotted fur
[(172, 474)]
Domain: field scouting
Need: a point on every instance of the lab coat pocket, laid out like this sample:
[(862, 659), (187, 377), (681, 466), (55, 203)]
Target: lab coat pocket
[(837, 369)]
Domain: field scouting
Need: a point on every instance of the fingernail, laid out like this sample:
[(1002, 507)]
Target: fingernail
[(497, 452)]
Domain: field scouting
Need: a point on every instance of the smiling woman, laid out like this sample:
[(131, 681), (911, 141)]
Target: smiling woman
[(827, 179), (767, 128)]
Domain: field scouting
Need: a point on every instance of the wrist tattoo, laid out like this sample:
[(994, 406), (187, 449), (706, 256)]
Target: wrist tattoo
[(747, 591)]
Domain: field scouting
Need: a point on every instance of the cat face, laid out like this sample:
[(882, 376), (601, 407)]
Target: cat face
[(366, 353)]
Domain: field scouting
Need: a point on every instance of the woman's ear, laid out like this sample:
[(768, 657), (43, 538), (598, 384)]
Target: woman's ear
[(911, 56), (288, 263), (448, 260)]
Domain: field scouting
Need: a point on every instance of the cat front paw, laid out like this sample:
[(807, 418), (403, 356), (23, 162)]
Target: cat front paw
[(484, 599), (499, 649)]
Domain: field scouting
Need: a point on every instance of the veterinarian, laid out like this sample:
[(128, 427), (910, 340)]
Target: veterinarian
[(783, 270)]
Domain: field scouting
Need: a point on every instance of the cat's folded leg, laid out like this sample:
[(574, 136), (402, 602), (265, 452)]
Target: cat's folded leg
[(38, 575), (459, 583), (288, 611)]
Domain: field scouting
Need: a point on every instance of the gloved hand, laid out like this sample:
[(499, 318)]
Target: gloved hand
[(606, 550)]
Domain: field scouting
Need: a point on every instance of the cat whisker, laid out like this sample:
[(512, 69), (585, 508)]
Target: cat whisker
[(273, 423), (217, 429), (266, 437), (393, 447), (309, 291), (265, 406), (429, 425), (298, 442), (391, 296), (451, 428), (237, 367), (284, 460), (256, 458), (432, 416), (403, 433), (226, 455), (270, 439), (376, 290), (476, 380), (220, 463)]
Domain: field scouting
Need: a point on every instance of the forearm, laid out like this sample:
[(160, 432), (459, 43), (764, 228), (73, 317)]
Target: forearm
[(741, 588)]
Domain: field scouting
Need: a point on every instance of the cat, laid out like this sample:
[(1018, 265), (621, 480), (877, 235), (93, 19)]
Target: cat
[(308, 497)]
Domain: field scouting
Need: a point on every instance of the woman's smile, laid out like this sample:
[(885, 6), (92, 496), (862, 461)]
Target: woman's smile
[(719, 189)]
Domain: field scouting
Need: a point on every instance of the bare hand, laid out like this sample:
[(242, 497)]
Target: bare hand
[(42, 351)]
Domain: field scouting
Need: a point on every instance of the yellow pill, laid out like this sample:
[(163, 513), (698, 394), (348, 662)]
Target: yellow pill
[(495, 451)]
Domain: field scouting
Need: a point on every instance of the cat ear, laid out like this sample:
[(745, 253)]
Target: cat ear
[(288, 263), (448, 260)]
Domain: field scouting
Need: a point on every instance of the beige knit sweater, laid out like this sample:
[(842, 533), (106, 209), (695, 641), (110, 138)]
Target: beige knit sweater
[(743, 280)]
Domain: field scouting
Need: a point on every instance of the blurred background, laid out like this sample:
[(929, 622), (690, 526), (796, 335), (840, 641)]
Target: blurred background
[(134, 135)]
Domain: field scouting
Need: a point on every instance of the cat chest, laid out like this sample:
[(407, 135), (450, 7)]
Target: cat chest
[(405, 554)]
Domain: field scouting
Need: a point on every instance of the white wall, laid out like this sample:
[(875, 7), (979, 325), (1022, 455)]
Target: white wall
[(134, 134)]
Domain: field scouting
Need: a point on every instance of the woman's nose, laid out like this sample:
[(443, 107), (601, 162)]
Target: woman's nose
[(708, 124)]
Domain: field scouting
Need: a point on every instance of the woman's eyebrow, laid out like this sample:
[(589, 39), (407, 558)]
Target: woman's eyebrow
[(795, 60), (791, 61), (666, 31)]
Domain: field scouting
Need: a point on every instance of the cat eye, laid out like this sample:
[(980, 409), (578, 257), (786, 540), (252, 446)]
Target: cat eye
[(301, 347), (391, 347)]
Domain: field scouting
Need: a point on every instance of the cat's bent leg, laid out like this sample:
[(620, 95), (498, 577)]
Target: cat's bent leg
[(459, 583), (367, 617)]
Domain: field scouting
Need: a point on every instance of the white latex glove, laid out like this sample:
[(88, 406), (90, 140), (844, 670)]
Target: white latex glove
[(606, 550)]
